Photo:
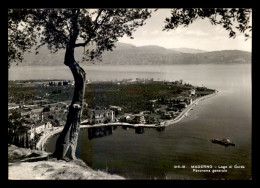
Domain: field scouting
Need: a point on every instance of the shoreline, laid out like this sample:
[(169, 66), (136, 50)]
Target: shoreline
[(187, 109), (40, 144)]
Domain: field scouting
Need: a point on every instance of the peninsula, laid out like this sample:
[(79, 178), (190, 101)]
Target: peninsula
[(130, 103)]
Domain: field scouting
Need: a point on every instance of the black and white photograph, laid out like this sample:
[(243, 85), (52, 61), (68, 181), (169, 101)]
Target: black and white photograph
[(129, 93)]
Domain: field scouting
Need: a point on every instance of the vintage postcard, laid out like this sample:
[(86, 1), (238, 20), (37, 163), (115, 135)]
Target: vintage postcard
[(130, 94)]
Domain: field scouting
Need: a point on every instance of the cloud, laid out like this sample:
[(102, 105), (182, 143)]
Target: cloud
[(156, 32), (196, 33), (200, 35), (144, 32)]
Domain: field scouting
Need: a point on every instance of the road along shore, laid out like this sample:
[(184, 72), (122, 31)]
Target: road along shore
[(40, 144), (187, 109)]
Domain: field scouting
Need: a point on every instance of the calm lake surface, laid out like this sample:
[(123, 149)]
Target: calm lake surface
[(153, 154)]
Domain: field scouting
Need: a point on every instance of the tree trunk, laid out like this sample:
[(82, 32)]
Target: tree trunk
[(69, 135)]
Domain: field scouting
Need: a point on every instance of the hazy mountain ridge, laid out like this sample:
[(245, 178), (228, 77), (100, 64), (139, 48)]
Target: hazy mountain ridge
[(127, 54), (188, 50)]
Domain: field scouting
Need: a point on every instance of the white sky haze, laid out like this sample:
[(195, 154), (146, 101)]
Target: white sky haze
[(201, 34)]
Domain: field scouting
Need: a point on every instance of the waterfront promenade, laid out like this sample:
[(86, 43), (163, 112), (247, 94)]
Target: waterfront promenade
[(56, 130), (187, 109)]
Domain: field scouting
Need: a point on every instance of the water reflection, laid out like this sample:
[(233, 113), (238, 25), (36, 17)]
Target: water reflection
[(159, 129), (97, 132), (139, 130)]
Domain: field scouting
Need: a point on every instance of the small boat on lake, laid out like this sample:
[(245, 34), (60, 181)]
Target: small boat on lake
[(225, 142)]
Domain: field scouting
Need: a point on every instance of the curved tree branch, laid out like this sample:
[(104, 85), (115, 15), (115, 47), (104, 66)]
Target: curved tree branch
[(96, 27)]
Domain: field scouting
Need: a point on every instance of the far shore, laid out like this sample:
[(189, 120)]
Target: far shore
[(40, 144)]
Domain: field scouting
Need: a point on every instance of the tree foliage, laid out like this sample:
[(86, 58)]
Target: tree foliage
[(232, 19), (98, 29), (21, 36)]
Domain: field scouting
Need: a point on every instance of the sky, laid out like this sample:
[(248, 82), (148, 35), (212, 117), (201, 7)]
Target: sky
[(201, 34)]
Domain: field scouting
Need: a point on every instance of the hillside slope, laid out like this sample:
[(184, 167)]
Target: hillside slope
[(26, 164), (127, 54)]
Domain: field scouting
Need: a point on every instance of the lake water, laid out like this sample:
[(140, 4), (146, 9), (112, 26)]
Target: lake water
[(153, 154)]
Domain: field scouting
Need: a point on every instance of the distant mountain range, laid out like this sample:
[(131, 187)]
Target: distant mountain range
[(188, 50), (127, 54)]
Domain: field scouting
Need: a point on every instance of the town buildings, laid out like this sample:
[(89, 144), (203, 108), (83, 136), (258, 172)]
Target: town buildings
[(101, 116), (39, 129), (115, 108), (49, 107), (133, 118)]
